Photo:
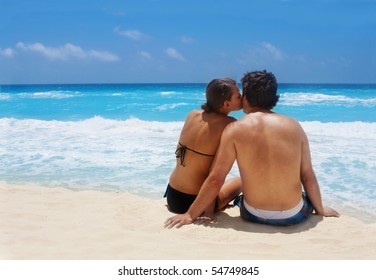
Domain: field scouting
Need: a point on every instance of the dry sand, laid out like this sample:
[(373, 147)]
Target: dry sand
[(62, 224)]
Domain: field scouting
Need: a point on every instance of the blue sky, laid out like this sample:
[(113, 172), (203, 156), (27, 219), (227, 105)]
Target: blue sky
[(107, 41)]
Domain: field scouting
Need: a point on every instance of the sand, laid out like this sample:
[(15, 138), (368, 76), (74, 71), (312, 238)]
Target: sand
[(39, 223)]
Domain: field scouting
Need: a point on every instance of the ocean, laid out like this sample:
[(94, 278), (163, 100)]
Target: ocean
[(122, 137)]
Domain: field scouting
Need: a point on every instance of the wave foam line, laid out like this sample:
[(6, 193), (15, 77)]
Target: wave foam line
[(302, 98)]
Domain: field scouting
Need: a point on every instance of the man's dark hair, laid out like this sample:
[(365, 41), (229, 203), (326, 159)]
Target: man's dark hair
[(260, 89)]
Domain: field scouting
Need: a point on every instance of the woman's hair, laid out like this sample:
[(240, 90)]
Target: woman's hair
[(217, 92), (260, 89)]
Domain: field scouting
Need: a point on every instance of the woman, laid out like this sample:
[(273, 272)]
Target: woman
[(198, 143)]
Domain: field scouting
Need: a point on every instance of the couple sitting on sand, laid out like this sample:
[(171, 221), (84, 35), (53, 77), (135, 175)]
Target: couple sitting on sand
[(271, 150)]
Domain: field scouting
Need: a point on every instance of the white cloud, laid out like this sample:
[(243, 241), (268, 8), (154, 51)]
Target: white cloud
[(67, 52), (263, 54), (173, 53), (103, 56), (145, 56), (187, 40), (131, 34), (273, 51), (8, 52)]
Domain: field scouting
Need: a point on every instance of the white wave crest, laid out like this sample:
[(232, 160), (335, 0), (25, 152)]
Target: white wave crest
[(303, 98), (344, 130), (166, 107), (4, 96), (48, 95), (168, 92)]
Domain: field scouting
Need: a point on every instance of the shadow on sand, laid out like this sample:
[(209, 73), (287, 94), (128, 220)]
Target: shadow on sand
[(224, 220)]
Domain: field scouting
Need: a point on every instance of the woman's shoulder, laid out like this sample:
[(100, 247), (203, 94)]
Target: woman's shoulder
[(209, 117), (226, 119), (194, 116), (195, 113)]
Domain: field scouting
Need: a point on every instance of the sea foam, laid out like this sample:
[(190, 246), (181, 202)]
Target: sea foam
[(137, 156), (312, 98)]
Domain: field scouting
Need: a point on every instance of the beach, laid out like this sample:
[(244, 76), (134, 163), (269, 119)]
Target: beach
[(44, 223), (84, 169)]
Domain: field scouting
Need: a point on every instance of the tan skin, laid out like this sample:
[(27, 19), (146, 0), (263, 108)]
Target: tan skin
[(274, 160), (202, 132)]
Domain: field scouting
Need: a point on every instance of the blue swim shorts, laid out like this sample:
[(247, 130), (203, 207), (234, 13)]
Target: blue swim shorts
[(301, 216)]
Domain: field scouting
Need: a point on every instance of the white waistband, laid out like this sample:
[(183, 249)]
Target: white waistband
[(270, 214)]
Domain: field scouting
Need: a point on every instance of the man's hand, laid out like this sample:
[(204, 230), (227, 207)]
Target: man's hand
[(329, 212), (178, 221)]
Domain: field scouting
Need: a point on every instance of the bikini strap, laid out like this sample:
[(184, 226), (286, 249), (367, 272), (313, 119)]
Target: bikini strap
[(180, 153)]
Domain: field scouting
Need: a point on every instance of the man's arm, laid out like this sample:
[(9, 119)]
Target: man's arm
[(310, 183), (222, 165)]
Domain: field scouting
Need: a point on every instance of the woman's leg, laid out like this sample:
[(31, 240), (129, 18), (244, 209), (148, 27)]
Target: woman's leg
[(229, 191)]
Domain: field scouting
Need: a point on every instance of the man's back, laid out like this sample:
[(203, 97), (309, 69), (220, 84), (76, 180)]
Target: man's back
[(269, 160)]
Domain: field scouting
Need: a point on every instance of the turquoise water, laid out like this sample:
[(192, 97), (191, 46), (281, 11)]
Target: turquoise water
[(122, 137), (171, 102)]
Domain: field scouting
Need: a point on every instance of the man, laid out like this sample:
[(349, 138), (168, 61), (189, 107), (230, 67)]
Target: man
[(274, 160)]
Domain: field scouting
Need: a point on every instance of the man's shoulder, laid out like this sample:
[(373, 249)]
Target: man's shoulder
[(255, 121), (289, 124), (236, 125), (290, 120)]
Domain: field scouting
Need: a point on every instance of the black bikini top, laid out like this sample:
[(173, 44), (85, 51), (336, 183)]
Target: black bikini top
[(180, 153)]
